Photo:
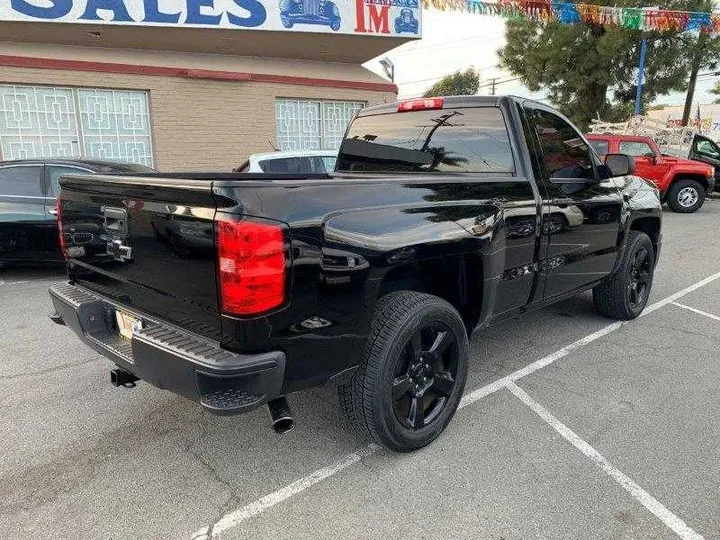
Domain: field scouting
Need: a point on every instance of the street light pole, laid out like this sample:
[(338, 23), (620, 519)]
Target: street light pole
[(389, 68)]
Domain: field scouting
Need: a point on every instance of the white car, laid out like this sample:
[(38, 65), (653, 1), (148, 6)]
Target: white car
[(293, 161)]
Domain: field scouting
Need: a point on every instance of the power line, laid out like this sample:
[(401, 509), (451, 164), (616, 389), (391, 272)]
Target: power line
[(441, 76)]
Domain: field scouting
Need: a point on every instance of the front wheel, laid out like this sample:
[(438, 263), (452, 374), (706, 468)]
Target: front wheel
[(409, 384), (686, 196), (625, 294)]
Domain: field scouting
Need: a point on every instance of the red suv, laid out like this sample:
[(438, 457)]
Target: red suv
[(683, 183)]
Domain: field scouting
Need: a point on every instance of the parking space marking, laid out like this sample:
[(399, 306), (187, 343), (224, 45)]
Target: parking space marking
[(677, 525), (233, 519), (30, 282), (236, 517), (698, 311)]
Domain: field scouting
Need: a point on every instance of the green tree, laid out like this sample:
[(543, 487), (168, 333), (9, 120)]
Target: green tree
[(702, 51), (716, 90), (460, 83), (580, 65)]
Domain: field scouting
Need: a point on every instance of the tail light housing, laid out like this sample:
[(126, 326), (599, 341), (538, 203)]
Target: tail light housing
[(252, 266), (61, 236)]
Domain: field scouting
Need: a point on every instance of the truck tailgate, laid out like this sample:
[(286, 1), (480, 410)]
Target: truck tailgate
[(144, 242)]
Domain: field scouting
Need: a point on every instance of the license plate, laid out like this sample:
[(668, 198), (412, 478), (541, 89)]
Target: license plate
[(127, 324)]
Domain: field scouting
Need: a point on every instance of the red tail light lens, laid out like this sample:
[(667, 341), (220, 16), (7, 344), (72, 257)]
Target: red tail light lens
[(61, 236), (251, 266), (421, 104)]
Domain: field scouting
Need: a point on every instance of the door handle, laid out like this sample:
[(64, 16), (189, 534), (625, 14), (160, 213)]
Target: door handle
[(53, 211)]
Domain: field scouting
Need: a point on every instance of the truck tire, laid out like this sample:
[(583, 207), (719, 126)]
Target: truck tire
[(410, 381), (686, 195), (624, 295)]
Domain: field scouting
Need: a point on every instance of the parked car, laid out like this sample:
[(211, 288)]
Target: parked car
[(322, 12), (373, 280), (28, 188), (683, 183), (406, 22), (291, 161)]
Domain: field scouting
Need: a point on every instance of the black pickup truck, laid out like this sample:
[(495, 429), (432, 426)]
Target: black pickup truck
[(444, 215)]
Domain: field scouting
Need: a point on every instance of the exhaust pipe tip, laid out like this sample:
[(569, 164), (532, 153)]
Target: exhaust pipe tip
[(120, 377), (280, 415)]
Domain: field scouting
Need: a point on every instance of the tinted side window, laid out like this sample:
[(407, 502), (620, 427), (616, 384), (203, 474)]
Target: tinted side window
[(600, 147), (295, 165), (565, 152), (55, 171), (637, 149), (21, 181), (445, 140)]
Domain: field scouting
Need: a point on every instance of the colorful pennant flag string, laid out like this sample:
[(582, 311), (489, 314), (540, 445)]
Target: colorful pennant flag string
[(570, 13)]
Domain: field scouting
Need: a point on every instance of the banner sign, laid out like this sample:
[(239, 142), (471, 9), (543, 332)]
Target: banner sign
[(376, 17), (543, 11)]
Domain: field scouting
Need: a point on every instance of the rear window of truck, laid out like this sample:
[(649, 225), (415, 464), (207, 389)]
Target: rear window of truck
[(445, 140)]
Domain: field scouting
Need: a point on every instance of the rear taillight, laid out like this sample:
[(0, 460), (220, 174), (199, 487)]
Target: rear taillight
[(423, 104), (251, 266), (61, 236)]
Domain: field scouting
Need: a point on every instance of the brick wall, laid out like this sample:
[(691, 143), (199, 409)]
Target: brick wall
[(200, 124)]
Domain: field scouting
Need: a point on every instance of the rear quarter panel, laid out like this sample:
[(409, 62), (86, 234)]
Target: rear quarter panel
[(347, 235)]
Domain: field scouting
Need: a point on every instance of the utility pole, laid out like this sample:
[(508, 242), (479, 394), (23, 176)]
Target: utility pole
[(698, 52), (492, 86)]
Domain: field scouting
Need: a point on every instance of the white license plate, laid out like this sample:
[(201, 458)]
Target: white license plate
[(127, 324)]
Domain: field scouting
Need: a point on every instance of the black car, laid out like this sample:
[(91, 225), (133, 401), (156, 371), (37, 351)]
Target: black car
[(28, 188)]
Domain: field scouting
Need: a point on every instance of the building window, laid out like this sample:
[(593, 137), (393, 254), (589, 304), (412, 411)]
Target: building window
[(47, 122), (313, 125)]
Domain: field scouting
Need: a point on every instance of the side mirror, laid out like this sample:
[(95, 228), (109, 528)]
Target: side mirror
[(620, 164)]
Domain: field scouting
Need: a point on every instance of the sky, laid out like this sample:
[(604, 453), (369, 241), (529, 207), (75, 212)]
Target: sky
[(453, 41)]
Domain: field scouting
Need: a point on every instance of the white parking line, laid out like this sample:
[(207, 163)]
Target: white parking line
[(677, 525), (698, 311), (29, 281), (233, 519), (236, 517)]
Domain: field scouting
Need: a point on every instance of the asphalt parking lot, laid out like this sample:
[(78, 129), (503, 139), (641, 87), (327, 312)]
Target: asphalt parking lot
[(572, 427)]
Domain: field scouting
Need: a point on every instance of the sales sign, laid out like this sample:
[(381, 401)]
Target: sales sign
[(377, 17)]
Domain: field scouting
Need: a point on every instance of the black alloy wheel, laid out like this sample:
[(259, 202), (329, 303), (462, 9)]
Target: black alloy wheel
[(425, 376), (411, 378), (640, 278), (624, 294)]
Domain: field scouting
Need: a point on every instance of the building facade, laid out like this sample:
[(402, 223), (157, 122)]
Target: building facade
[(706, 117), (186, 93)]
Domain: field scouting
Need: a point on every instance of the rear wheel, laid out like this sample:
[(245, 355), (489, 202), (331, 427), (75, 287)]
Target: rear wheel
[(686, 195), (410, 382), (625, 294)]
